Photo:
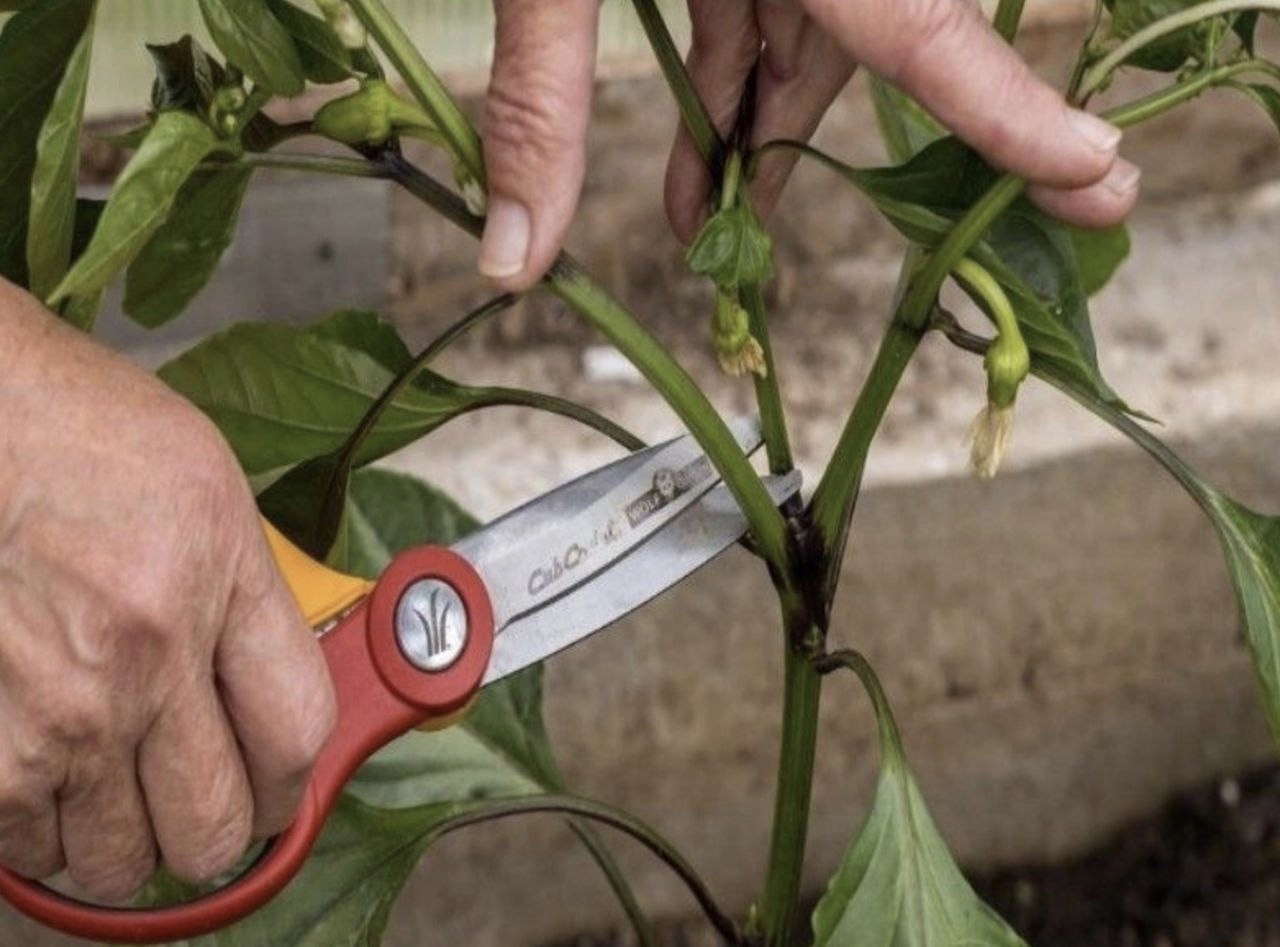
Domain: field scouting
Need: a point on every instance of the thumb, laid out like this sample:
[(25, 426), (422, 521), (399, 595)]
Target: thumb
[(535, 130)]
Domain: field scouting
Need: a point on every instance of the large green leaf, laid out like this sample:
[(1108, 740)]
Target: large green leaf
[(283, 394), (51, 227), (183, 254), (140, 201), (252, 38), (324, 58), (1034, 257), (35, 47), (898, 886)]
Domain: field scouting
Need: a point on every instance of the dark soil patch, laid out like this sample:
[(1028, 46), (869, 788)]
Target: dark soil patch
[(1205, 872)]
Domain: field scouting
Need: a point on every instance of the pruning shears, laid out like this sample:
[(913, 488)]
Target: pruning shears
[(415, 646)]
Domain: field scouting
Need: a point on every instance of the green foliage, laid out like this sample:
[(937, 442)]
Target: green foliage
[(140, 202), (1168, 53), (897, 884), (282, 395), (732, 248), (251, 37), (51, 229), (186, 76), (324, 59), (183, 254), (36, 45)]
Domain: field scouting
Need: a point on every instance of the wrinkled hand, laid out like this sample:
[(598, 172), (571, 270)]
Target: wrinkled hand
[(160, 696), (941, 52)]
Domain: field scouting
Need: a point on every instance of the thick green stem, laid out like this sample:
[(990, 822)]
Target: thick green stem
[(568, 281), (800, 701), (1097, 74), (833, 501), (696, 120), (421, 80), (1008, 15), (773, 419)]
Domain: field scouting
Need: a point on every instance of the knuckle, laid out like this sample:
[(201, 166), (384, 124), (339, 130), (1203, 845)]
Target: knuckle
[(78, 718), (525, 121)]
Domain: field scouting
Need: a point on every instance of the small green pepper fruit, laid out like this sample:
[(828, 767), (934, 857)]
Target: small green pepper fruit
[(1007, 363), (737, 350), (370, 115), (344, 23)]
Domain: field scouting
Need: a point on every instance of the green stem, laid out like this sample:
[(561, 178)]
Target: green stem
[(1157, 103), (801, 695), (568, 281), (497, 397), (848, 659), (1008, 15), (773, 419), (640, 923), (1097, 74), (833, 501), (492, 810), (696, 119), (421, 80), (314, 164)]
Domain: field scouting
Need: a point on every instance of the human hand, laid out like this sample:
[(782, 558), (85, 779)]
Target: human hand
[(941, 52), (160, 695)]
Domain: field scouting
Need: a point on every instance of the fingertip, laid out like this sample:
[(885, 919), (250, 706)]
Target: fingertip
[(504, 246), (1103, 204), (686, 189)]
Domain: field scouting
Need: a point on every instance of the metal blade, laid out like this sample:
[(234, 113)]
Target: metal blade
[(710, 527), (557, 541)]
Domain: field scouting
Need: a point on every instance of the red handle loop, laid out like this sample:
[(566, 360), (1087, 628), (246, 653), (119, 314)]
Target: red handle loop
[(380, 696)]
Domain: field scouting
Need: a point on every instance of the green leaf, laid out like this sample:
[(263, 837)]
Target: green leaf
[(1168, 53), (324, 58), (35, 46), (186, 76), (1098, 253), (1033, 256), (898, 885), (183, 254), (1250, 542), (51, 226), (1267, 97), (732, 248), (282, 394), (252, 38), (140, 201)]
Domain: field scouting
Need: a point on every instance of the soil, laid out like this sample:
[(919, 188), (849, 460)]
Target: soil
[(1202, 872)]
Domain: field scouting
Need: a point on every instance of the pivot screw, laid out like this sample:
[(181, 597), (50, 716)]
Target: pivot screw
[(431, 625)]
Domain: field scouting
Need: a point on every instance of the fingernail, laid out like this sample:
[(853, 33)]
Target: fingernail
[(1122, 180), (504, 248), (1097, 133)]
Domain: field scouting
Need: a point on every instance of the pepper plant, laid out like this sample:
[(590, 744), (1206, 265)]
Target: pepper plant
[(308, 410)]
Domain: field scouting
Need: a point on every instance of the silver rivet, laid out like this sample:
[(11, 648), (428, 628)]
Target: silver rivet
[(431, 625)]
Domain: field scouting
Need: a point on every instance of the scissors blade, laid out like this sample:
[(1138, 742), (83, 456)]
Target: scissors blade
[(701, 533), (561, 539)]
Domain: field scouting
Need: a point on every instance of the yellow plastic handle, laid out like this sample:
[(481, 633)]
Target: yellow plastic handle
[(322, 593)]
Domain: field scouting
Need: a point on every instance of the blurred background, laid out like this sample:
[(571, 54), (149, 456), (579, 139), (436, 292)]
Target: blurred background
[(1061, 645)]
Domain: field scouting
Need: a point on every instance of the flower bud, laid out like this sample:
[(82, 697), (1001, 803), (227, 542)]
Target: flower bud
[(1007, 363), (737, 350), (363, 117)]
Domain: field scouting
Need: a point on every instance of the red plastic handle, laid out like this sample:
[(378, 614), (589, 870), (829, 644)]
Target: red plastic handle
[(380, 696)]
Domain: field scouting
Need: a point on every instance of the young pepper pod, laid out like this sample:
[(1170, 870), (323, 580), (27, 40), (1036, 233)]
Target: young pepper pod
[(1007, 364)]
